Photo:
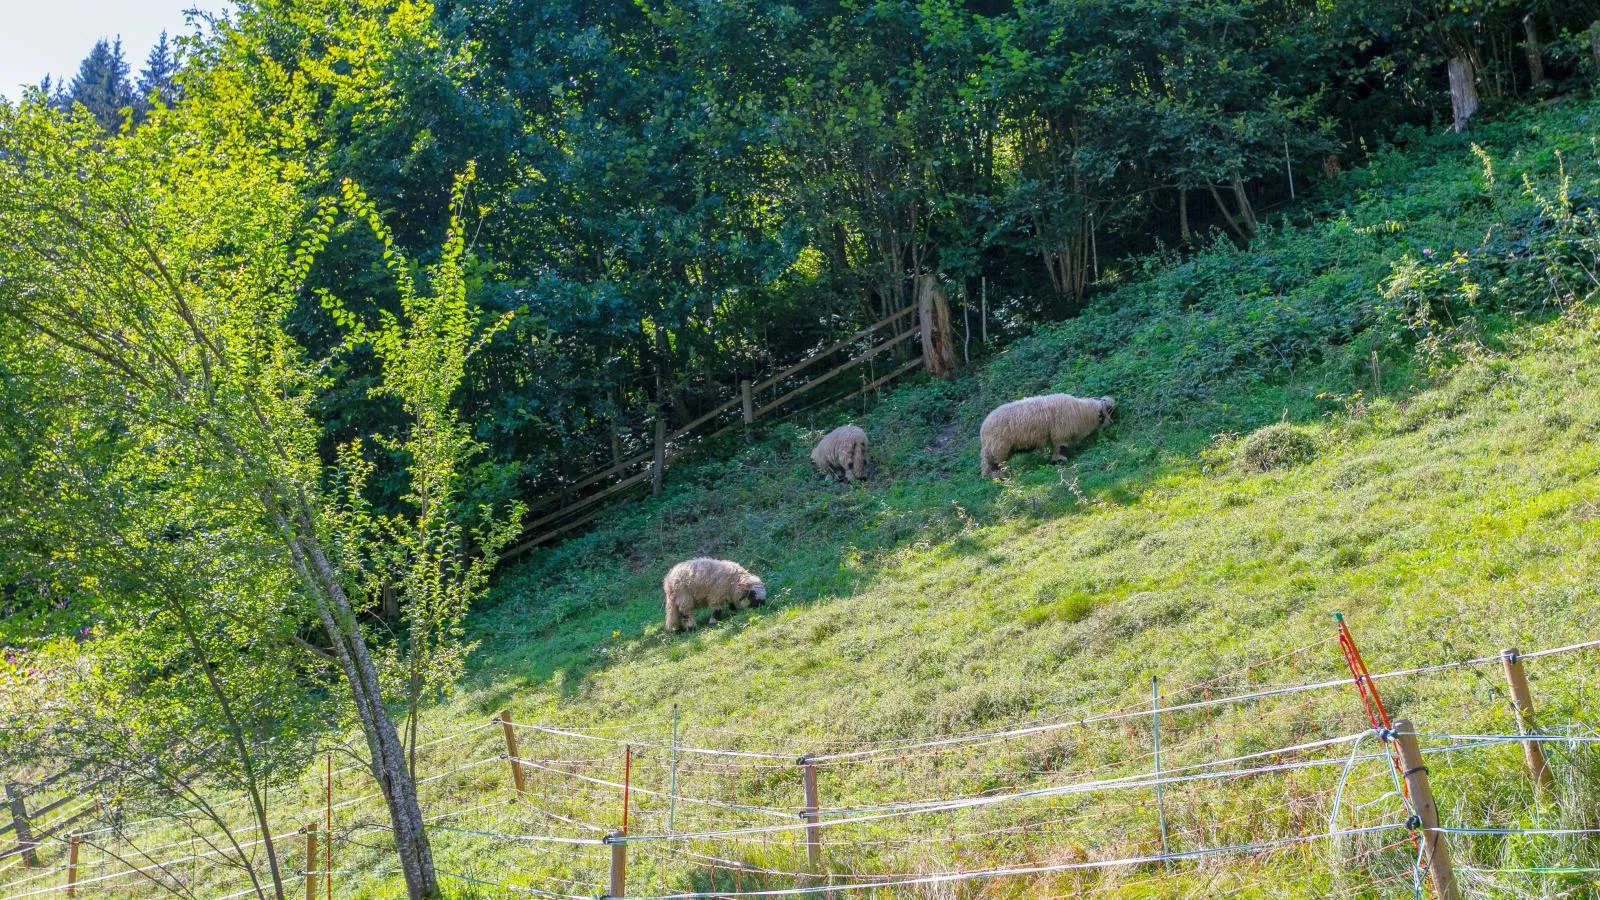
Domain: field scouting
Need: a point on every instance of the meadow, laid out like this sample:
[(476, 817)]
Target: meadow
[(1386, 407)]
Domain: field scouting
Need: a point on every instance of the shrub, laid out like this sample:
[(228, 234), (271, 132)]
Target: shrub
[(1278, 446)]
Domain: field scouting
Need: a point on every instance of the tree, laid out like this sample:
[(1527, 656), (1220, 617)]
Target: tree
[(158, 79), (102, 85), (161, 281), (51, 92)]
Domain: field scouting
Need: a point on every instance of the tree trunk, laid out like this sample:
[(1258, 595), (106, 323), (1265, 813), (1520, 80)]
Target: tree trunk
[(1535, 51), (838, 253), (383, 739), (1227, 215), (1184, 234), (1067, 261), (933, 312), (1463, 90), (1246, 211), (383, 742)]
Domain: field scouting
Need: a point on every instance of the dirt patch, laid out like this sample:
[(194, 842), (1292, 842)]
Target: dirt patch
[(945, 437)]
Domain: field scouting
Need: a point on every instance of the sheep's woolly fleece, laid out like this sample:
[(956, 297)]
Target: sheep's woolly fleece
[(842, 453), (1053, 420), (716, 584)]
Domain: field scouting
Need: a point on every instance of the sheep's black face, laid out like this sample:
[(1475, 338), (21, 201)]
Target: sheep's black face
[(756, 594)]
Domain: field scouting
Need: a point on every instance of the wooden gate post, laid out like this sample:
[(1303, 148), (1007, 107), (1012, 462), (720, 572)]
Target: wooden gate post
[(619, 866), (659, 463), (512, 756), (1435, 851), (747, 401), (812, 814), (1522, 703), (933, 316), (311, 861), (16, 799), (72, 866)]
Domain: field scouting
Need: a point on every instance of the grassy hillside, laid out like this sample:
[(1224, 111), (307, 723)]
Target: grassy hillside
[(1388, 408), (1423, 338), (1438, 257)]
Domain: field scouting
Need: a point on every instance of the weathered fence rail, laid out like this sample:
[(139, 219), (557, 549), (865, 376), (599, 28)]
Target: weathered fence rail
[(30, 827), (574, 505)]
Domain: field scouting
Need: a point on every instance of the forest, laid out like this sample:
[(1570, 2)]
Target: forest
[(296, 322), (672, 198)]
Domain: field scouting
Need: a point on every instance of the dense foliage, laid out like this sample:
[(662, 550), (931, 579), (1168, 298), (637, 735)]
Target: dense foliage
[(679, 194), (167, 503)]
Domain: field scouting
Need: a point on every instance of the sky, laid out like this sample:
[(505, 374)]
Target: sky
[(39, 37)]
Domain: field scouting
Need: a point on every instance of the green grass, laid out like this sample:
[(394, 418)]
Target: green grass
[(1437, 480)]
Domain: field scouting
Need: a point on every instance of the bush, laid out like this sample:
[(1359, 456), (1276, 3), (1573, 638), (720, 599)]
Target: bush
[(1278, 446)]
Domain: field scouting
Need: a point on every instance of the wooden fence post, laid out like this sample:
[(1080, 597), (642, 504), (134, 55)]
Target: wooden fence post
[(311, 861), (619, 867), (659, 464), (19, 816), (933, 316), (812, 814), (1522, 703), (748, 401), (511, 751), (72, 866), (1435, 851)]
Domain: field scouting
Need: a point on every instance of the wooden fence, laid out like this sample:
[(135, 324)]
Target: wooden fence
[(31, 828), (578, 503)]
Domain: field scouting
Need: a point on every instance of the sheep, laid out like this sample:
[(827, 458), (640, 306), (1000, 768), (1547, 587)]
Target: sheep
[(1053, 421), (714, 583), (842, 453)]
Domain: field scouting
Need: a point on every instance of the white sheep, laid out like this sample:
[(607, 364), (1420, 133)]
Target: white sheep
[(704, 582), (1053, 420), (842, 453)]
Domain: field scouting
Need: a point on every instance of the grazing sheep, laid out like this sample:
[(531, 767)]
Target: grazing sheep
[(714, 583), (842, 453), (1053, 421)]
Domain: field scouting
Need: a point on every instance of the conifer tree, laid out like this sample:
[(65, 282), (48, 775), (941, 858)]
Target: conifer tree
[(157, 81), (102, 85)]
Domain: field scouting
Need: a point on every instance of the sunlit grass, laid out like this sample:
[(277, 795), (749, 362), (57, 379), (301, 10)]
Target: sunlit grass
[(1446, 505)]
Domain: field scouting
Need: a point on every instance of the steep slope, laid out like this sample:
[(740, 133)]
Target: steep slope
[(1428, 337), (1434, 261), (1388, 409)]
